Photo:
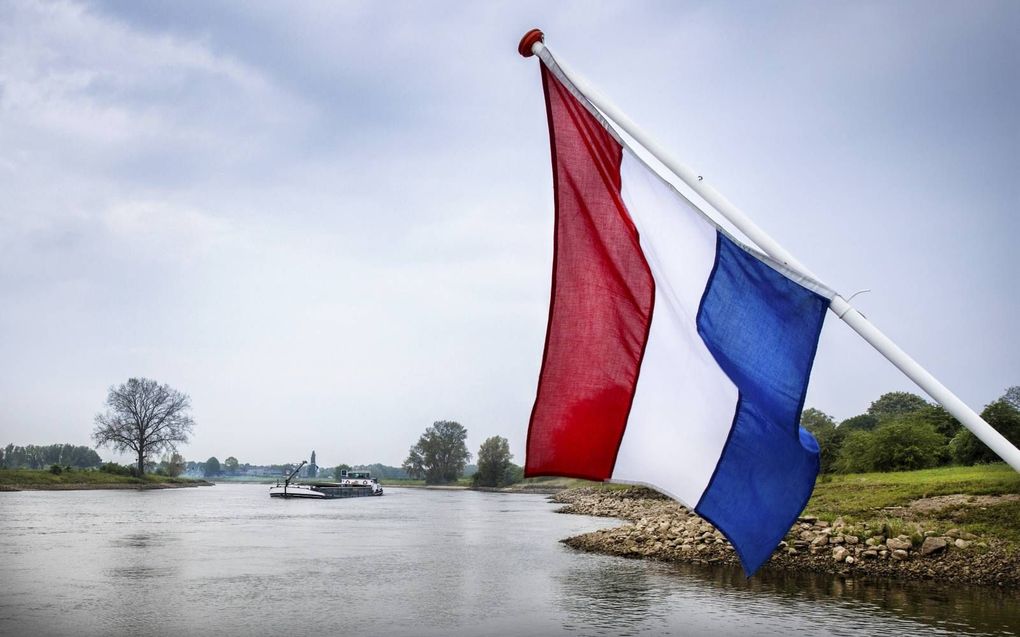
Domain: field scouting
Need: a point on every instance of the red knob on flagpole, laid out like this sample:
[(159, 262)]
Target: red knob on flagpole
[(529, 39)]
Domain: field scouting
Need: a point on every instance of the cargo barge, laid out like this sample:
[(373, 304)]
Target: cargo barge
[(352, 484)]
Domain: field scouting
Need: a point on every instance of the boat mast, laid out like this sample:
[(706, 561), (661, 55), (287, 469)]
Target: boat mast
[(286, 482)]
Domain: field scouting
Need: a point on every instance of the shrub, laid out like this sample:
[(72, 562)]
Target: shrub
[(855, 454), (904, 443), (56, 469), (907, 443), (119, 469), (514, 474)]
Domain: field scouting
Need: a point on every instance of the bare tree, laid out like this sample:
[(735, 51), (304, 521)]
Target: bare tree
[(144, 417)]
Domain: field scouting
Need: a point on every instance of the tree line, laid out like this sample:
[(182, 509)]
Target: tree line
[(441, 455), (41, 456), (901, 431)]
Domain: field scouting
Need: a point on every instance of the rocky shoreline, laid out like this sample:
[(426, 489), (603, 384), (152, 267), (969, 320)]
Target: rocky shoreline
[(662, 529)]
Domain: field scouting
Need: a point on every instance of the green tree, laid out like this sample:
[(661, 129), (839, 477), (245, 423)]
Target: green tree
[(338, 471), (494, 466), (144, 417), (440, 454), (816, 420), (941, 420), (414, 465), (1004, 418), (829, 437), (83, 457), (907, 443), (1012, 396), (855, 454), (211, 467), (515, 473), (230, 465), (861, 422), (896, 403)]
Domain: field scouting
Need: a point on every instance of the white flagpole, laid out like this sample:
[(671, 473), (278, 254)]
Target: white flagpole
[(533, 44)]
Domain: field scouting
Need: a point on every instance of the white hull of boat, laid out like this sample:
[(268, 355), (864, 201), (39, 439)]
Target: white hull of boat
[(324, 492), (296, 491)]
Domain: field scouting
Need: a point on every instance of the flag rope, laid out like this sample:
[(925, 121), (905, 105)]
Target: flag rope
[(533, 44)]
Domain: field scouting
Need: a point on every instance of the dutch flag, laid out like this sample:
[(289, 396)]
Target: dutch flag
[(675, 356)]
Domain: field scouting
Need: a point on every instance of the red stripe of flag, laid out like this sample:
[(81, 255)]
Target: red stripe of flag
[(601, 306)]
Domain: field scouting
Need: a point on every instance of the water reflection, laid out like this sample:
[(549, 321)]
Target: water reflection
[(608, 598), (138, 572), (137, 568), (943, 607), (141, 540)]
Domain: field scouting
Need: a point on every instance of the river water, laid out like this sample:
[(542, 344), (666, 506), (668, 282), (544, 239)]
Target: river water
[(228, 560)]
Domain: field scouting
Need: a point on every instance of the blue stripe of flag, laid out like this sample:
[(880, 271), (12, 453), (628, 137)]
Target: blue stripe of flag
[(762, 328)]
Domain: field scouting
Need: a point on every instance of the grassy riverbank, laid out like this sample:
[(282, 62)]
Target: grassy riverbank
[(957, 524), (983, 500), (39, 479)]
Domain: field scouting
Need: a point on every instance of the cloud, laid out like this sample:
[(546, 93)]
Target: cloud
[(158, 109), (152, 229), (337, 220)]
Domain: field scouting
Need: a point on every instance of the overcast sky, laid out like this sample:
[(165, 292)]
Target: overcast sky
[(331, 223)]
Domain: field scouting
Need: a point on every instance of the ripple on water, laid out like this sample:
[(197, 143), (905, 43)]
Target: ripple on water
[(415, 563), (138, 572)]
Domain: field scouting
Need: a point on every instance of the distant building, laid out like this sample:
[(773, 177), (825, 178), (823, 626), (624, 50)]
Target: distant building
[(313, 469)]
